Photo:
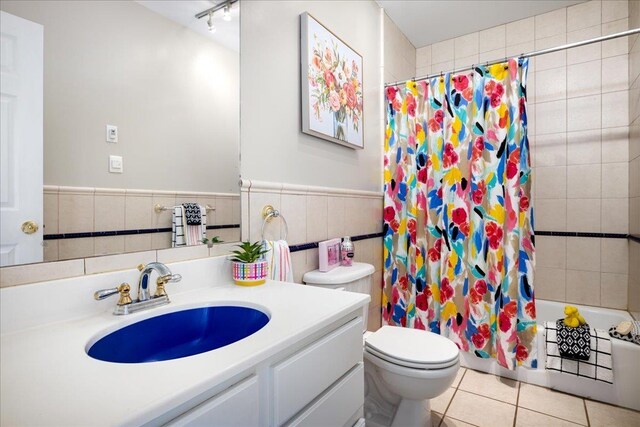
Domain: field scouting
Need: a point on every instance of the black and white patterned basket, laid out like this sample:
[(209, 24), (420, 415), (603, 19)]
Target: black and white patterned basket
[(633, 336), (575, 342)]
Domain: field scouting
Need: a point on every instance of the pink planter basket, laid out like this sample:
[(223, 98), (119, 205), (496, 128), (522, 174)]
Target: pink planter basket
[(252, 274)]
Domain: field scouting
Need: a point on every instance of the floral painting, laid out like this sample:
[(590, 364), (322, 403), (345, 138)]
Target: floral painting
[(331, 86)]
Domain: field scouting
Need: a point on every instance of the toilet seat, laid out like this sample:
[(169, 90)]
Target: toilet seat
[(412, 348)]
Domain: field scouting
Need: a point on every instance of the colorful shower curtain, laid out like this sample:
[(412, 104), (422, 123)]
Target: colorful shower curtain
[(458, 218)]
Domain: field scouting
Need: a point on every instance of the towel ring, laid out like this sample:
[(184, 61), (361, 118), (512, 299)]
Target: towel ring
[(268, 213)]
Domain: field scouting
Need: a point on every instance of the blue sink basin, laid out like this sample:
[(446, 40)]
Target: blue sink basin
[(179, 334)]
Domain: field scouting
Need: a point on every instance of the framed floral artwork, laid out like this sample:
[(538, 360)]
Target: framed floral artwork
[(331, 77)]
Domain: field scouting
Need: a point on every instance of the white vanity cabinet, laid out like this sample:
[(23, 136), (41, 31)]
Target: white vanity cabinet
[(235, 407), (299, 379), (319, 383), (303, 368)]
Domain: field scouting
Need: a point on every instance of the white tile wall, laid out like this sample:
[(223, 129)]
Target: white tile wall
[(633, 14), (581, 136), (400, 59), (314, 214), (582, 143), (74, 210), (584, 15), (581, 125), (492, 39)]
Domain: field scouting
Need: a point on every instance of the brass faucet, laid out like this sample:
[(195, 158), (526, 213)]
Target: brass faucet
[(165, 277), (143, 301)]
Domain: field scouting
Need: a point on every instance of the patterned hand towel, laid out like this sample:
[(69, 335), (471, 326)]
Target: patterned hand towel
[(183, 234), (279, 260), (599, 367), (192, 211), (573, 343)]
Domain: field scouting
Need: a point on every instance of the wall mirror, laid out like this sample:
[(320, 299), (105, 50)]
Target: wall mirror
[(112, 111)]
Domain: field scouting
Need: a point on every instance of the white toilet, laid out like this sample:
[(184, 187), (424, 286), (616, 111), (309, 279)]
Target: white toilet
[(404, 368)]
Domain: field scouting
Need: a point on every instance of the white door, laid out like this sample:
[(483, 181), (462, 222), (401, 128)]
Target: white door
[(21, 98)]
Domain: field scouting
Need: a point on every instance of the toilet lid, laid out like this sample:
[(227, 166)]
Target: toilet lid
[(412, 347)]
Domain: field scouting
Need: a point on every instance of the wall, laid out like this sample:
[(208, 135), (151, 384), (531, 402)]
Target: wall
[(578, 130), (322, 189), (172, 93), (634, 161), (273, 147), (399, 53), (69, 210), (46, 271), (315, 214)]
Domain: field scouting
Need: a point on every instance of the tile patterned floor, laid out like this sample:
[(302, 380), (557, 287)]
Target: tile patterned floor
[(480, 399)]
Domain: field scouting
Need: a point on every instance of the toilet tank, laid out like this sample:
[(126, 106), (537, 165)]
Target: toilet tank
[(356, 278)]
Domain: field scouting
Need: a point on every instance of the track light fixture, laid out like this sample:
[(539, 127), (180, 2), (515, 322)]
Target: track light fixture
[(225, 6), (212, 27)]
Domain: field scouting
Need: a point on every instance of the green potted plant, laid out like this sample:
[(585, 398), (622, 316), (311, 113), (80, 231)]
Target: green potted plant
[(249, 267), (210, 242)]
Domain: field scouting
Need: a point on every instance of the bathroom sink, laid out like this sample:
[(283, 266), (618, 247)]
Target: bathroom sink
[(178, 334)]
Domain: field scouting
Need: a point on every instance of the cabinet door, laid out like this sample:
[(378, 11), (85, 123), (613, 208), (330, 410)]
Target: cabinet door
[(337, 405), (234, 407), (297, 381)]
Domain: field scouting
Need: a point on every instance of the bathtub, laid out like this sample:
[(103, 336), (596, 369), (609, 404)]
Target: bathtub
[(625, 390)]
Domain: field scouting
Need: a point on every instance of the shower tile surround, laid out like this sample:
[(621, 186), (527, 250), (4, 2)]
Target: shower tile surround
[(93, 210), (582, 145), (634, 162)]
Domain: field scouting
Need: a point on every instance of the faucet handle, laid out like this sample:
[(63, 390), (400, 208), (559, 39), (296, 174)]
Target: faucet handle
[(163, 280), (173, 278), (123, 290), (140, 267)]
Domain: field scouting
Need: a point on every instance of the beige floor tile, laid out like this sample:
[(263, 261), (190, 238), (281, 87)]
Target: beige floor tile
[(440, 403), (527, 418), (601, 414), (490, 386), (551, 402), (481, 411), (459, 376), (437, 420)]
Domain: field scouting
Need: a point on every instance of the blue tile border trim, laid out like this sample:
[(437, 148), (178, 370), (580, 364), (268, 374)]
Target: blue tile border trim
[(634, 238), (125, 232), (313, 245), (583, 234)]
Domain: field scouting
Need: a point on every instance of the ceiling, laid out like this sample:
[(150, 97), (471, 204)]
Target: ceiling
[(183, 12), (427, 22)]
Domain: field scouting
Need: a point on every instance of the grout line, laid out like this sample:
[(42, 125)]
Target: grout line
[(515, 415), (586, 413), (552, 416), (491, 398), (466, 422), (444, 414)]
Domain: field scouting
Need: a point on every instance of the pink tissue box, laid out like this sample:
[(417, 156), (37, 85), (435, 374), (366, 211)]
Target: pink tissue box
[(329, 254)]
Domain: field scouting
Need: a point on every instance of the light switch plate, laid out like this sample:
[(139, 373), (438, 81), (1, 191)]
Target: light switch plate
[(115, 164), (112, 133)]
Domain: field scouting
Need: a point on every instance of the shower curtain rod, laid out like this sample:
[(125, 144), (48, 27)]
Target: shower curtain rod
[(523, 55)]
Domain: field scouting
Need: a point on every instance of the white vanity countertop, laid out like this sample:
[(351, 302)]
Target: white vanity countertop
[(48, 379)]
